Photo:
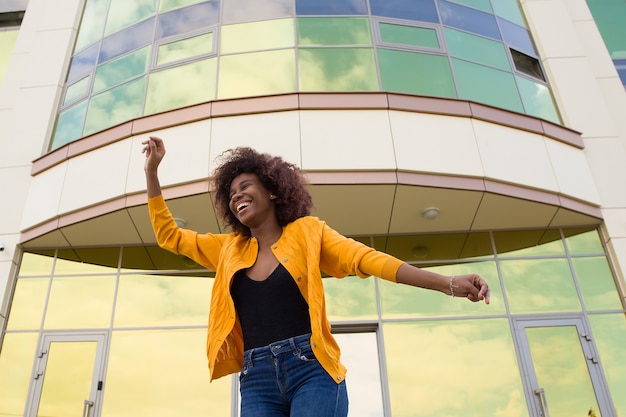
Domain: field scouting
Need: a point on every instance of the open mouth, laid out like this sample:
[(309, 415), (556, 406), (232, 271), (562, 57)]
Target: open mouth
[(243, 205)]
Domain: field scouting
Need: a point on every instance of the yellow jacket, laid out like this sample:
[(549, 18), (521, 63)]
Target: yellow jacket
[(306, 247)]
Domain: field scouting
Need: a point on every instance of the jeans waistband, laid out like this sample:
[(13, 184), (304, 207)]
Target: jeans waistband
[(293, 344)]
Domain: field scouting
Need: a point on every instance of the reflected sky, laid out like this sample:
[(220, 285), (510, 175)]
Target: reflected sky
[(16, 362), (325, 7), (124, 13), (92, 24), (245, 37), (76, 91), (186, 48), (468, 19), (237, 11), (537, 99), (166, 5), (334, 31), (122, 69), (517, 37), (466, 368), (596, 283), (188, 19), (477, 49), (69, 125), (409, 35), (337, 69), (421, 10), (350, 298)]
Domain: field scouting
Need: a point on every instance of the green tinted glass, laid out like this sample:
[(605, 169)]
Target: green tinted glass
[(415, 73), (186, 48), (528, 243), (610, 339), (28, 303), (69, 125), (148, 300), (337, 69), (486, 85), (484, 5), (124, 13), (408, 35), (80, 302), (539, 285), (404, 301), (76, 90), (257, 73), (115, 106), (195, 83), (436, 354), (166, 5), (537, 100), (583, 241), (334, 31), (169, 376), (122, 69), (255, 36), (350, 298), (510, 10), (596, 283), (476, 48), (92, 24), (16, 364), (608, 15)]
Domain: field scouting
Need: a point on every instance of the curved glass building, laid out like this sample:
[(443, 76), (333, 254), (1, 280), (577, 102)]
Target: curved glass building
[(458, 135)]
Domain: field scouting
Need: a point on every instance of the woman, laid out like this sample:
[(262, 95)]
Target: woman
[(267, 316)]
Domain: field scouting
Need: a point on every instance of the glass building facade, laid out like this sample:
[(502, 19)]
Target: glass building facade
[(117, 327)]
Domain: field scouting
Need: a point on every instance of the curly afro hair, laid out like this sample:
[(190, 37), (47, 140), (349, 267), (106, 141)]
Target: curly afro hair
[(283, 179)]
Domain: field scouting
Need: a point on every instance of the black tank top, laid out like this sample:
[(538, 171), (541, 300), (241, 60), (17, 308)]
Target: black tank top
[(269, 310)]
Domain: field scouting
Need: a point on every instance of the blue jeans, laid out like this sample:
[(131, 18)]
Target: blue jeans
[(285, 379)]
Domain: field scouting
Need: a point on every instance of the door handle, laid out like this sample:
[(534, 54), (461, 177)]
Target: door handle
[(542, 401), (87, 405)]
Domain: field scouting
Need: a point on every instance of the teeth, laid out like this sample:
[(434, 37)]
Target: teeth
[(242, 206)]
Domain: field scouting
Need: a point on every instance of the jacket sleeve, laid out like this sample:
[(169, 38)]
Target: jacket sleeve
[(202, 248), (341, 256)]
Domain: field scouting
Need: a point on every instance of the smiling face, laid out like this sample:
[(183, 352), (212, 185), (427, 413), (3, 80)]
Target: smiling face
[(250, 201)]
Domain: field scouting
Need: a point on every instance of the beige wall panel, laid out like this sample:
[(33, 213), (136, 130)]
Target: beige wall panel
[(55, 14), (599, 58), (10, 87), (572, 171), (433, 143), (607, 159), (95, 177), (50, 51), (346, 140), (187, 157), (34, 119), (553, 21), (13, 189), (44, 196), (615, 221), (7, 140), (514, 156), (274, 133)]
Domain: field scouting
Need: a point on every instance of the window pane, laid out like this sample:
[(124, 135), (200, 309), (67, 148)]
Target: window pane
[(92, 23), (537, 100), (69, 125), (124, 13), (28, 303), (149, 300), (76, 91), (510, 10), (115, 106), (83, 63), (476, 48), (409, 35), (16, 364), (238, 11), (529, 243), (195, 83), (35, 264), (121, 69), (404, 301), (167, 5), (169, 376), (415, 73), (188, 19), (518, 37), (468, 19), (359, 353), (539, 285), (338, 69), (486, 85), (326, 7), (610, 338), (244, 37), (484, 5), (334, 31), (350, 298), (257, 73), (130, 39), (80, 302), (87, 260), (421, 10), (583, 241), (429, 363), (596, 283), (186, 48)]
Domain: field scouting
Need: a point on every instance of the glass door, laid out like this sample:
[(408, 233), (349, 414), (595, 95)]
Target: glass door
[(561, 369), (68, 375)]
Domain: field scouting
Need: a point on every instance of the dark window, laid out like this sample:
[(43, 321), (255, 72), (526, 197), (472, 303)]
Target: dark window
[(527, 65)]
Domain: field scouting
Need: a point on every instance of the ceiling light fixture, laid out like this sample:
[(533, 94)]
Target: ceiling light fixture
[(430, 213)]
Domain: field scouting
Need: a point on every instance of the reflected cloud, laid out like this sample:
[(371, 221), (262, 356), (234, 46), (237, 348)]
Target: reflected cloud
[(350, 298), (238, 11), (340, 69), (124, 13), (92, 24)]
